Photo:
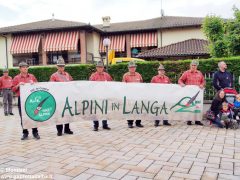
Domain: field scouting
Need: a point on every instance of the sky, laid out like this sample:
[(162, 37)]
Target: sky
[(14, 12)]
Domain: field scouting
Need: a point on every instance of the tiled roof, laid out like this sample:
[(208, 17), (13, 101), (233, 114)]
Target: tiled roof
[(42, 26), (183, 48), (144, 25), (152, 24)]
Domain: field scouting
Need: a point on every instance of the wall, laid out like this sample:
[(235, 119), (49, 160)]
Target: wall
[(93, 40), (170, 36), (3, 62)]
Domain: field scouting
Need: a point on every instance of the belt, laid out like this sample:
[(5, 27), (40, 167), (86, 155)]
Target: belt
[(7, 88)]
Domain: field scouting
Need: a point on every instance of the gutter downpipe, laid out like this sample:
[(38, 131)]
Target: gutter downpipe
[(6, 49)]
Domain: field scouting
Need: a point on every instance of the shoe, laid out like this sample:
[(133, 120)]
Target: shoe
[(11, 114), (156, 124), (24, 137), (189, 123), (68, 132), (95, 129), (107, 128), (138, 123), (36, 136), (6, 114), (198, 123), (166, 123), (59, 133), (130, 126)]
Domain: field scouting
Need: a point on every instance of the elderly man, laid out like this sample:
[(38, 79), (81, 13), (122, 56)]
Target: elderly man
[(19, 80), (61, 76), (100, 75), (6, 86), (161, 78), (130, 77), (222, 78), (192, 77)]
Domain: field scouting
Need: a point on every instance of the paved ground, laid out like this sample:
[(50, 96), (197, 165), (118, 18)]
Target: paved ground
[(177, 152)]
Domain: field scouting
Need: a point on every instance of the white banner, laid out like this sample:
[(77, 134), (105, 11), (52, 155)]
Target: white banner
[(60, 102)]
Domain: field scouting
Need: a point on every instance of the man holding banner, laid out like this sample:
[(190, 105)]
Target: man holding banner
[(131, 77), (100, 75), (162, 79), (61, 76), (20, 80), (192, 77)]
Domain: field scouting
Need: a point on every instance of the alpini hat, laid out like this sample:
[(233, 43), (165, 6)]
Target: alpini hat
[(21, 64), (99, 64), (195, 62), (132, 64), (161, 67), (60, 62)]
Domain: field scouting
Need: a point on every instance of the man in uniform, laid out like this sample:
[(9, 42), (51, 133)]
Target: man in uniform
[(162, 79), (130, 77), (6, 86), (19, 80), (192, 77), (100, 75), (61, 76)]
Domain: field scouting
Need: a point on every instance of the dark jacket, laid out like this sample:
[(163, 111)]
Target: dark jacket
[(222, 80), (216, 105)]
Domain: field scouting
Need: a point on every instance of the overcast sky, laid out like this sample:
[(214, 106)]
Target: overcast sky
[(13, 12)]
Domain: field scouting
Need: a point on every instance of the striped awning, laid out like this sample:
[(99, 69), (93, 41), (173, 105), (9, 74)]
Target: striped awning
[(25, 43), (117, 43), (143, 39), (60, 41)]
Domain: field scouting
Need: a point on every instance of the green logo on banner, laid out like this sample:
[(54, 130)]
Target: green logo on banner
[(40, 106), (187, 103)]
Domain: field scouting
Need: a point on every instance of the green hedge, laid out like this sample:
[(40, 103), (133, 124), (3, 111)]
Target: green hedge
[(174, 69)]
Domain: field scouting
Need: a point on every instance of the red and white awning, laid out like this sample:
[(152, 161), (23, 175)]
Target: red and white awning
[(60, 41), (143, 39), (25, 43), (117, 43)]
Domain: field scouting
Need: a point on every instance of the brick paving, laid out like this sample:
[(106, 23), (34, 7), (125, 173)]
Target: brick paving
[(177, 152)]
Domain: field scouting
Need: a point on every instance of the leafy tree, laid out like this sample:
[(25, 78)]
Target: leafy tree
[(219, 48), (233, 33), (213, 27), (223, 35)]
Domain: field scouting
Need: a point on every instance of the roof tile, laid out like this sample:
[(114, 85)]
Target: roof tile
[(183, 48)]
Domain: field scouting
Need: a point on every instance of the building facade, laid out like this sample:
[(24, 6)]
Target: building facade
[(43, 42)]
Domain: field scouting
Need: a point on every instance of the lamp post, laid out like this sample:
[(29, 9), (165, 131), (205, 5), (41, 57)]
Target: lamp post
[(106, 43)]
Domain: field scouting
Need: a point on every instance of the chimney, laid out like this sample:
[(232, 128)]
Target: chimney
[(106, 21), (53, 19)]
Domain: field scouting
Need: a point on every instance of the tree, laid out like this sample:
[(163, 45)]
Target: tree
[(213, 27), (223, 35), (233, 33)]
